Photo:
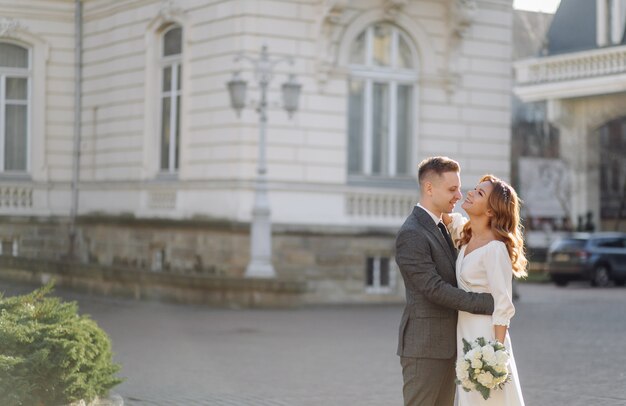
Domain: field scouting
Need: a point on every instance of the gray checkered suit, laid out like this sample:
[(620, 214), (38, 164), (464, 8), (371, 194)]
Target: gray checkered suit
[(427, 338)]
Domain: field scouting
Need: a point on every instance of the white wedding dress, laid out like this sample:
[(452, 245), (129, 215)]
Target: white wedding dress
[(488, 269)]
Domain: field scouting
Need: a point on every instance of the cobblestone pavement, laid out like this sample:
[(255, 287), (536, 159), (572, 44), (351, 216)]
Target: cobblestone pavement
[(569, 345)]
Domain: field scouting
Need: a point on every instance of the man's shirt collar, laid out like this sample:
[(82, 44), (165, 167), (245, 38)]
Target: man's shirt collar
[(430, 213)]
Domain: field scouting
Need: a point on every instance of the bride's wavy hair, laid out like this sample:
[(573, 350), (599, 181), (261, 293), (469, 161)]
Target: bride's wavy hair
[(505, 223)]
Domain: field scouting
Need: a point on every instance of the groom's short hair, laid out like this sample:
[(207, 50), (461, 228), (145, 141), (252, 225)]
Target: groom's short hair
[(436, 165)]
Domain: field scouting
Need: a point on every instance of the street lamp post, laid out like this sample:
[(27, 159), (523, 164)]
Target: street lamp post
[(260, 265)]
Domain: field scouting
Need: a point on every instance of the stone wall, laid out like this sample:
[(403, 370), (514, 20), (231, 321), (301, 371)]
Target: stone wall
[(331, 261), (190, 289)]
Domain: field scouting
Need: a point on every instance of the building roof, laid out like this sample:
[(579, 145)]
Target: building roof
[(573, 27)]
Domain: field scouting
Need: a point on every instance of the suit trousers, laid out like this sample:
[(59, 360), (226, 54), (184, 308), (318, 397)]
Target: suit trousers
[(428, 381)]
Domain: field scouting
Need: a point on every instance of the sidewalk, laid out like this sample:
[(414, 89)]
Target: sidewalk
[(567, 344)]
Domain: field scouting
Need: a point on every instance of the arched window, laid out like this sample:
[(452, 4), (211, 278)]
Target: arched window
[(381, 101), (14, 107), (171, 68)]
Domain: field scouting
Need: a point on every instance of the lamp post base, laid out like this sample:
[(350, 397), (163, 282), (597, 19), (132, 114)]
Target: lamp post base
[(260, 270)]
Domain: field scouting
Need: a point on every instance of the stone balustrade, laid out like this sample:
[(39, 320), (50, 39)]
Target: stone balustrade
[(378, 205), (14, 196), (578, 65)]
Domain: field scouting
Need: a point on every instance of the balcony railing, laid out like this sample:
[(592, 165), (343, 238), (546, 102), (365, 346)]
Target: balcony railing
[(578, 65), (16, 197), (379, 205)]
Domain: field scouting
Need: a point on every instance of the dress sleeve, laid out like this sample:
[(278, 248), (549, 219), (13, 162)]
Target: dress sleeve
[(456, 225), (500, 278)]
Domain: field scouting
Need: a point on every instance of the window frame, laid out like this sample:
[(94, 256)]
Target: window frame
[(393, 77), (23, 73), (175, 62), (377, 288)]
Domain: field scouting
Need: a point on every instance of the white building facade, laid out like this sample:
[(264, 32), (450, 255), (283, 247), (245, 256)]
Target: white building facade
[(166, 170)]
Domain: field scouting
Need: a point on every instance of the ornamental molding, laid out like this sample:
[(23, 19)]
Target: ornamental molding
[(335, 16), (9, 27), (463, 14), (332, 10), (394, 7), (170, 10), (332, 14)]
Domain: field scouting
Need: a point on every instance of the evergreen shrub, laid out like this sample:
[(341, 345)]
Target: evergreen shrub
[(49, 354)]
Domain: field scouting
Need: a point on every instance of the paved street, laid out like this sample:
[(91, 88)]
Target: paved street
[(568, 343)]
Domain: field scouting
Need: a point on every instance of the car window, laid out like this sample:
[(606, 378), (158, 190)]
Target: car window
[(610, 243), (568, 244)]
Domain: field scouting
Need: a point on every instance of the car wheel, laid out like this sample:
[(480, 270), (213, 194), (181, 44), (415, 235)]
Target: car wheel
[(601, 276), (559, 280)]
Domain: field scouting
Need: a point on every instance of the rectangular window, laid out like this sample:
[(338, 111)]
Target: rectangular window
[(14, 107), (380, 128), (170, 118), (609, 20), (404, 129), (14, 122), (381, 103), (356, 105), (379, 278)]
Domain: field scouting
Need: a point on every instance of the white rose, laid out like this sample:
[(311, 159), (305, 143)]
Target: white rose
[(486, 379), (462, 370), (502, 357), (468, 384), (472, 354), (501, 368), (477, 364), (500, 379), (489, 355)]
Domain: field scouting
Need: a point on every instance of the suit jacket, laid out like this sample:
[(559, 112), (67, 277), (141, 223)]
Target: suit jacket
[(427, 265)]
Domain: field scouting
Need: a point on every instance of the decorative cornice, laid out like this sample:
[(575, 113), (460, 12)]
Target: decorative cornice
[(8, 26), (575, 88)]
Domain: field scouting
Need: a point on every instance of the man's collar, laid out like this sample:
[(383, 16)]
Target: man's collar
[(431, 214)]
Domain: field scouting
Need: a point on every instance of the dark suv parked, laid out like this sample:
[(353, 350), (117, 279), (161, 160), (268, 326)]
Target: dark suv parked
[(597, 257)]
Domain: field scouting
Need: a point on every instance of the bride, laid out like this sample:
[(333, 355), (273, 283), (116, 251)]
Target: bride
[(492, 251)]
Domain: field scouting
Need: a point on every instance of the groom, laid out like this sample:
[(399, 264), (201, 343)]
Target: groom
[(426, 257)]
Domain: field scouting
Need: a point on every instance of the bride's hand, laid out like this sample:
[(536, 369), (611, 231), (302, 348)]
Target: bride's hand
[(445, 217)]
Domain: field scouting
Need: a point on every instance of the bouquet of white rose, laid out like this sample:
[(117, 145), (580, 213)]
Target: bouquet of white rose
[(483, 367)]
